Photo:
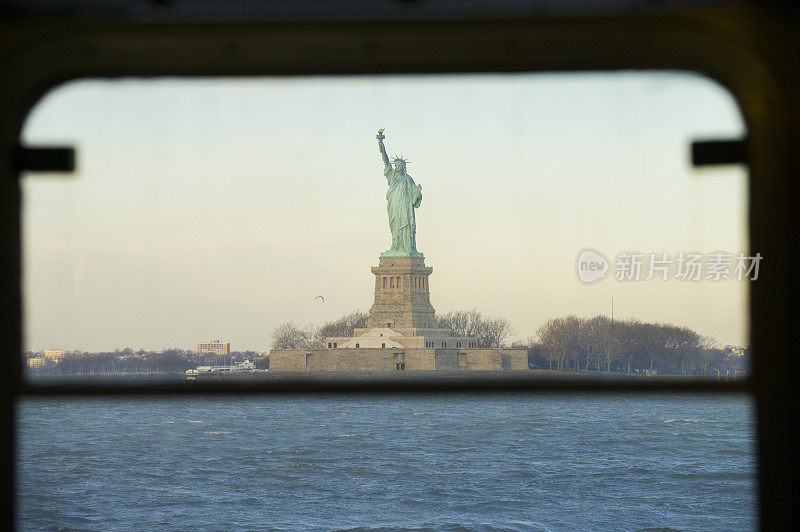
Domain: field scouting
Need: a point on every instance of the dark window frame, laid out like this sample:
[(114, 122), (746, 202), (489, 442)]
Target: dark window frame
[(749, 50)]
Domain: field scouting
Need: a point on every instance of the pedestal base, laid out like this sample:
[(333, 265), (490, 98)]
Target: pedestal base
[(402, 294)]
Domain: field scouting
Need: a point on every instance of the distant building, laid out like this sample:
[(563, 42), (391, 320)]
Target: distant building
[(214, 347), (36, 362), (737, 351), (54, 354)]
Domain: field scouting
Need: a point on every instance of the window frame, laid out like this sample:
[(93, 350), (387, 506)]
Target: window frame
[(748, 50)]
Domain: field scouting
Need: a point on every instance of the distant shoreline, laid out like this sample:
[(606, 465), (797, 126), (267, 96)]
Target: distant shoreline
[(306, 376)]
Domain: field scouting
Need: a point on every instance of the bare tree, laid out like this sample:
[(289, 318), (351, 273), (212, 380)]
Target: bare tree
[(492, 332), (708, 349), (344, 326), (656, 352), (608, 343), (455, 321), (682, 344), (632, 341), (592, 338), (290, 336), (489, 332), (460, 322), (559, 336)]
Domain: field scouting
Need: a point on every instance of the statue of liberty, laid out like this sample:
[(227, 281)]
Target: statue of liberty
[(402, 198)]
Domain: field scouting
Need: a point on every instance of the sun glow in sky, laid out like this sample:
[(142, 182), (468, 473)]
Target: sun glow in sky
[(220, 208)]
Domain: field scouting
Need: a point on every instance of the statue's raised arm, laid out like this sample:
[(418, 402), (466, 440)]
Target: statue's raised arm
[(380, 136)]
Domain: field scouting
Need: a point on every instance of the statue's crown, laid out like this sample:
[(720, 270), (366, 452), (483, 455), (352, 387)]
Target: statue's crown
[(396, 158)]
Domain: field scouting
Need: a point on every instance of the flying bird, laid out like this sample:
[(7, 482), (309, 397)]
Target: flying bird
[(320, 297)]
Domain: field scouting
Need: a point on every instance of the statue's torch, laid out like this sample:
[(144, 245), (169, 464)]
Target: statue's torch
[(380, 135)]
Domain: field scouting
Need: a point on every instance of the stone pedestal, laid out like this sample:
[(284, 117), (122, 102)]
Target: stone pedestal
[(402, 294)]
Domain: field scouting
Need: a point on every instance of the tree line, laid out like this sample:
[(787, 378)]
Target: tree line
[(488, 331), (288, 335), (168, 361), (573, 343), (569, 343)]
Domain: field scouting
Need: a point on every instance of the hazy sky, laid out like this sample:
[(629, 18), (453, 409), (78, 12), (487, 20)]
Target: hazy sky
[(219, 208)]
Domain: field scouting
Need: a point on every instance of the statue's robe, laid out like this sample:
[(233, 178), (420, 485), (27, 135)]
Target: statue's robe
[(402, 198)]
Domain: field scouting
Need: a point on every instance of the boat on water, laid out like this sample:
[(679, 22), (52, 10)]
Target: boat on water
[(244, 367)]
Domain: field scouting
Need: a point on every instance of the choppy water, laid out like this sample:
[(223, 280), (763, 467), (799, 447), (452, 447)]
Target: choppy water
[(525, 462)]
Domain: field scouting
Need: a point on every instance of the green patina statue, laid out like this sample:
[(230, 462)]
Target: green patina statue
[(402, 198)]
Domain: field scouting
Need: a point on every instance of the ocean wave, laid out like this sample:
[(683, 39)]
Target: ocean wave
[(685, 420)]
